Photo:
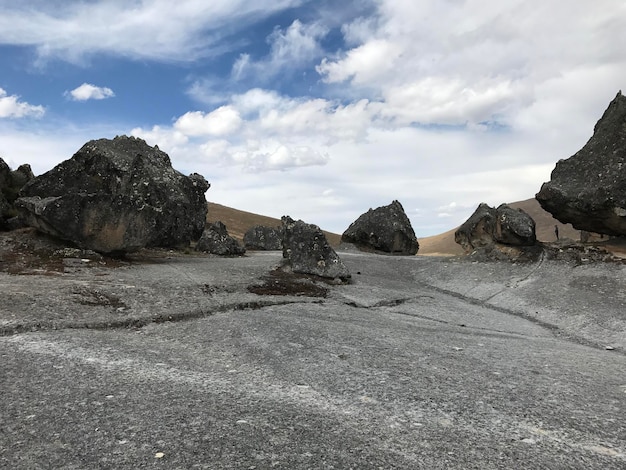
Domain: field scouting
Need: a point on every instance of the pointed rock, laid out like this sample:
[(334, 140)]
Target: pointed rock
[(385, 229), (306, 251)]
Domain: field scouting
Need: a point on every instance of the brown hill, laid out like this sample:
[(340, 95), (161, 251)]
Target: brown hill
[(444, 244), (238, 222)]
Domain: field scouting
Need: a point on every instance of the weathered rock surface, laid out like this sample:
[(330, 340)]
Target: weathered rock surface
[(385, 229), (488, 226), (588, 189), (306, 251), (10, 184), (117, 195), (216, 240), (265, 238), (423, 362)]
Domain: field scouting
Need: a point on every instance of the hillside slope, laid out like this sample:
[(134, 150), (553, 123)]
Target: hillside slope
[(238, 222), (444, 244)]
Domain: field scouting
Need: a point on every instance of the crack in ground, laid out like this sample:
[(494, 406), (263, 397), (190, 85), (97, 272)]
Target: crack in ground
[(387, 303), (140, 322), (554, 329)]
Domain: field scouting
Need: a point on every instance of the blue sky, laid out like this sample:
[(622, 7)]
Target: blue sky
[(318, 109)]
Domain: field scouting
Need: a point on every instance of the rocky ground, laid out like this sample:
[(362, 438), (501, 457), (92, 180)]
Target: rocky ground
[(182, 360)]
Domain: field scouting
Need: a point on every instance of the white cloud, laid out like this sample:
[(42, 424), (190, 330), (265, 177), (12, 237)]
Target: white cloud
[(223, 121), (258, 101), (43, 146), (12, 107), (298, 43), (167, 138), (364, 64), (290, 49), (87, 91), (466, 62), (185, 30)]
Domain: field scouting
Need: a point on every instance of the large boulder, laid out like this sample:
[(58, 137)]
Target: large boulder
[(588, 189), (385, 229), (306, 251), (488, 226), (216, 240), (116, 196), (11, 182), (261, 237)]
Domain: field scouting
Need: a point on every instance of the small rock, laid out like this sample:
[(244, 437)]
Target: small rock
[(261, 237), (216, 240)]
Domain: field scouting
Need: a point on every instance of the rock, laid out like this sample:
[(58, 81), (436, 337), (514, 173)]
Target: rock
[(588, 189), (478, 230), (306, 251), (21, 176), (488, 226), (11, 182), (261, 237), (116, 196), (385, 229), (216, 240), (514, 227)]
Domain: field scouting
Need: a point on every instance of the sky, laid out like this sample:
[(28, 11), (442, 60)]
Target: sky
[(318, 109)]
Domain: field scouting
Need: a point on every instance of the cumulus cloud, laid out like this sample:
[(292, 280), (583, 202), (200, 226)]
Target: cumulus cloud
[(367, 63), (262, 130), (223, 121), (87, 91), (467, 62), (12, 107)]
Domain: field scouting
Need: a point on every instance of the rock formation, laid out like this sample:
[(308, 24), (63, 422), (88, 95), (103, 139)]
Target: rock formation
[(306, 251), (10, 184), (116, 196), (488, 226), (216, 240), (385, 229), (588, 189), (261, 237)]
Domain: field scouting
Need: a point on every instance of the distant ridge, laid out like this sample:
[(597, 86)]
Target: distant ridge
[(239, 222)]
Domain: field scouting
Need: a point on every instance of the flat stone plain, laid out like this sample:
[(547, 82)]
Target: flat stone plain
[(422, 362)]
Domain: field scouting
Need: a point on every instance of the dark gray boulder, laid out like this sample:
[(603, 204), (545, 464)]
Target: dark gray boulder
[(216, 240), (588, 189), (261, 237), (307, 251), (11, 182), (385, 229), (478, 230), (116, 196), (514, 227), (488, 226)]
